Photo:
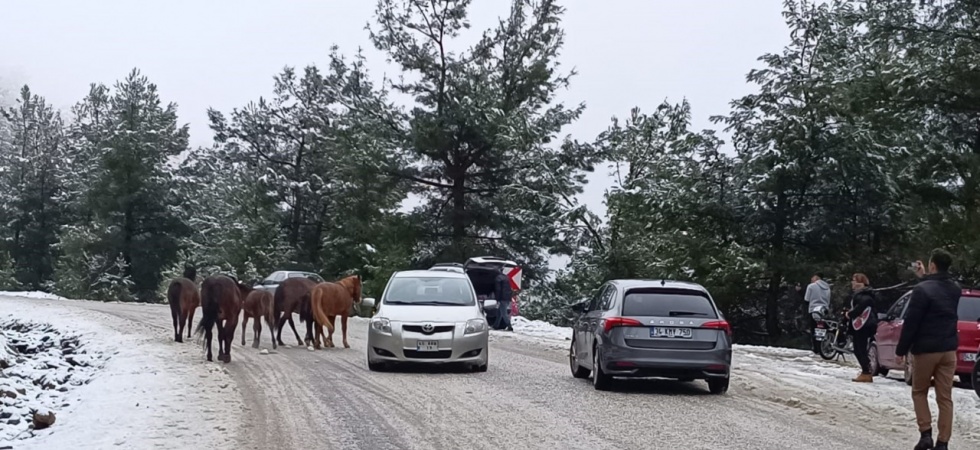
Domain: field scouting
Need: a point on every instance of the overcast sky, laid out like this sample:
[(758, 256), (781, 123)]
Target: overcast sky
[(222, 54)]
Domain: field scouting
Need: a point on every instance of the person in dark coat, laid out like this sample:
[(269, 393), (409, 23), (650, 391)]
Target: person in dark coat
[(863, 323), (503, 294), (930, 334)]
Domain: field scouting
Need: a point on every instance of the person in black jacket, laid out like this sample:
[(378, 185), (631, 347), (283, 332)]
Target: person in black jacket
[(930, 334), (863, 323), (504, 294)]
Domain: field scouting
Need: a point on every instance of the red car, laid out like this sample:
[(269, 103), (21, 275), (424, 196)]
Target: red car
[(882, 350)]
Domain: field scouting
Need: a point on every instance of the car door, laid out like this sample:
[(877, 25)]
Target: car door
[(579, 328), (588, 324), (889, 331)]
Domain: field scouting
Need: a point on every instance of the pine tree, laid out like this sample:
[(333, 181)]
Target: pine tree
[(133, 194), (34, 159), (481, 132)]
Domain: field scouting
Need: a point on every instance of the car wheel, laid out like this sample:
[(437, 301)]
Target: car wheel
[(600, 381), (873, 359), (577, 370), (975, 376), (483, 367), (908, 370), (718, 386)]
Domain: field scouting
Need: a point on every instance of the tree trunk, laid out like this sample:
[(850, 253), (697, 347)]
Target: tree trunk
[(459, 215), (775, 260)]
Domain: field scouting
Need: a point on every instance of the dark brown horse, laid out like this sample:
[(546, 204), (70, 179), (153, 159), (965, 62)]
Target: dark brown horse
[(184, 298), (329, 300), (258, 305), (221, 303), (291, 296)]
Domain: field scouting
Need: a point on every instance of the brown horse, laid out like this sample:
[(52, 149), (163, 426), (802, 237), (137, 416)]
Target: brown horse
[(184, 298), (329, 300), (221, 303), (291, 296), (258, 305)]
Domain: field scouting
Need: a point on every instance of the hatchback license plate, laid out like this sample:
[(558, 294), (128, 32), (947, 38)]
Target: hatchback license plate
[(427, 346), (970, 357), (667, 332)]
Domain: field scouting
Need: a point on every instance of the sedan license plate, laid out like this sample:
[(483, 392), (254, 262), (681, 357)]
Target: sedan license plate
[(427, 346), (667, 332), (970, 357)]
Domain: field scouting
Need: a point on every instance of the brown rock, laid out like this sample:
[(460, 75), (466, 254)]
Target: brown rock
[(6, 393), (42, 421)]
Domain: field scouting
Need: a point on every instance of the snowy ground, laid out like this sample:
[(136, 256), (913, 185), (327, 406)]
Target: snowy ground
[(41, 368), (149, 394), (156, 393)]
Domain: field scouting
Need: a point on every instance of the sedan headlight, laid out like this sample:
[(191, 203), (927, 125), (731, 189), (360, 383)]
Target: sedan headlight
[(475, 326), (381, 324)]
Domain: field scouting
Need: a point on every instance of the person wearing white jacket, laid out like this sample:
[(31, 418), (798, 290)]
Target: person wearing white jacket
[(817, 296)]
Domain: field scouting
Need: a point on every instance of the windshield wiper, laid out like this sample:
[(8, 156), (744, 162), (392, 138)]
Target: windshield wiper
[(686, 313), (436, 303)]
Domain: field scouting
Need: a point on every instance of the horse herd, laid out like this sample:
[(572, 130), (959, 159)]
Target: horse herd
[(222, 299)]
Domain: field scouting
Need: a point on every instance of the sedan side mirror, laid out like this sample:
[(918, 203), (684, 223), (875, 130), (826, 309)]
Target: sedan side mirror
[(580, 307), (368, 303)]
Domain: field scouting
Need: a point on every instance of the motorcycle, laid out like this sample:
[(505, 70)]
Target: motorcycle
[(833, 339)]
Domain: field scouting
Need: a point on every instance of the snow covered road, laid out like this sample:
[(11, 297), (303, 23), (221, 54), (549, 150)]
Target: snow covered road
[(780, 399)]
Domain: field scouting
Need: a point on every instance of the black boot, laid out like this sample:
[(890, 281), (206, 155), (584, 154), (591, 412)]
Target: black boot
[(925, 441), (940, 445)]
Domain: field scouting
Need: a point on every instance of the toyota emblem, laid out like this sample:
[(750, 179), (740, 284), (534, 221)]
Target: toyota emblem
[(428, 328)]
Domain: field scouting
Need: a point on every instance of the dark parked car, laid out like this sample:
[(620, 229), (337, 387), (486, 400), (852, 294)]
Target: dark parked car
[(651, 328), (482, 271)]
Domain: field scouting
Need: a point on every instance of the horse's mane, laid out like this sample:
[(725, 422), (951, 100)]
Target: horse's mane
[(353, 285), (190, 273)]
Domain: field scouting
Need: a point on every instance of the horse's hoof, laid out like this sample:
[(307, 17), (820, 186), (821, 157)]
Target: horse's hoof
[(209, 359), (346, 345), (255, 344)]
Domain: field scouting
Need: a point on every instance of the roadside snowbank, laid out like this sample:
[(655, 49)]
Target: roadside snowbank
[(151, 392), (40, 367), (802, 380), (540, 329), (31, 294)]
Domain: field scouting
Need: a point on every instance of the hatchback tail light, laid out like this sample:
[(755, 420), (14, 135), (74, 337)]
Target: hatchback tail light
[(718, 325), (613, 322)]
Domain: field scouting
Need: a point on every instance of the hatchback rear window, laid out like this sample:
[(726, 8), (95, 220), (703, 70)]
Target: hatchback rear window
[(969, 310), (668, 303)]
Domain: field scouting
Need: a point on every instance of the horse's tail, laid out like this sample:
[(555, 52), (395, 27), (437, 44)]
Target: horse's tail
[(210, 304), (278, 301), (173, 297), (270, 310), (316, 305)]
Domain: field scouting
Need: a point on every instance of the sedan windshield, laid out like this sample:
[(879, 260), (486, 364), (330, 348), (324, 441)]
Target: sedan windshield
[(429, 291)]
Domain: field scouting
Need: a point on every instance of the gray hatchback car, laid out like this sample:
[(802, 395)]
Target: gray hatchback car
[(654, 329)]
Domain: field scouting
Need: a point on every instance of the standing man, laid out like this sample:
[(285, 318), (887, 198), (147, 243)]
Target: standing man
[(817, 295), (930, 334), (503, 294)]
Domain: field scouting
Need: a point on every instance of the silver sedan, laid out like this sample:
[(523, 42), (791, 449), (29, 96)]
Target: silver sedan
[(428, 317)]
